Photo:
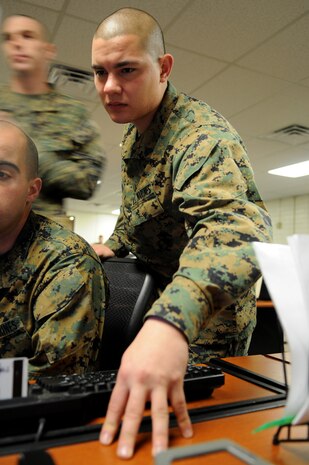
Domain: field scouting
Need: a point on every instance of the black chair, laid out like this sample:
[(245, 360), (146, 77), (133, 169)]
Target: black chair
[(267, 337), (132, 292)]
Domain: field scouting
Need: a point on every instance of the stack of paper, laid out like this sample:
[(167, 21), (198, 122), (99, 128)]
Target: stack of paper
[(285, 269)]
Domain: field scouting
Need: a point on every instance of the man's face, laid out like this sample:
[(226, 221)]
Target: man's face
[(127, 79), (24, 45), (16, 190)]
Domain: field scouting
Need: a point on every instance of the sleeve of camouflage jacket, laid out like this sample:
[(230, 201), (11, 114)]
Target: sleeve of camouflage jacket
[(218, 264), (75, 165), (68, 308)]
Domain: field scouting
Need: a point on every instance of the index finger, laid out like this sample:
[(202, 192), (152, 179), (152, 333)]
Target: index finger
[(133, 415), (115, 410), (160, 420)]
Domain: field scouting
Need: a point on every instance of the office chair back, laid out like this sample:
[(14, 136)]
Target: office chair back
[(132, 292), (267, 337)]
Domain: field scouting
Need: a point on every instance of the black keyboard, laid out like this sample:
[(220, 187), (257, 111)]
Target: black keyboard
[(77, 399)]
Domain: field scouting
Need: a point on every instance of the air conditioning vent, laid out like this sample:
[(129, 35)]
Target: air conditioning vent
[(73, 81), (293, 129), (294, 134)]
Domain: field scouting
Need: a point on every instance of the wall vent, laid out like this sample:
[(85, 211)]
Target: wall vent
[(293, 129), (294, 134), (73, 81)]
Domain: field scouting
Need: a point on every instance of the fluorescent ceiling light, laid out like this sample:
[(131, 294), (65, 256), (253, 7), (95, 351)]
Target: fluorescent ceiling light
[(296, 170), (116, 212)]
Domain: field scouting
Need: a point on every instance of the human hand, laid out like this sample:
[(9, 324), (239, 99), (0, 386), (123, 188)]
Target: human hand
[(152, 369), (102, 250)]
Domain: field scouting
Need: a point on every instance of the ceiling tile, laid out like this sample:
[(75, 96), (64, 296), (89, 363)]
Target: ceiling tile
[(226, 29), (269, 186), (45, 15), (235, 89), (191, 70), (285, 157), (261, 148), (50, 4), (74, 48), (286, 55), (96, 10), (305, 82), (290, 106)]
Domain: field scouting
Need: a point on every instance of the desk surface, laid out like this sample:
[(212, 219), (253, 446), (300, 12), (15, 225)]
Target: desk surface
[(237, 428), (264, 304)]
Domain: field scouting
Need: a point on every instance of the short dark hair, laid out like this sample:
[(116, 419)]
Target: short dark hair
[(134, 21), (45, 31), (31, 152)]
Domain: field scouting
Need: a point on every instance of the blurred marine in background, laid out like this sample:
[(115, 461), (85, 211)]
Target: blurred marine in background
[(71, 158)]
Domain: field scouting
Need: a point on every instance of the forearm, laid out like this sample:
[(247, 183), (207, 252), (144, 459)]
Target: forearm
[(184, 306), (210, 277), (75, 175), (218, 265)]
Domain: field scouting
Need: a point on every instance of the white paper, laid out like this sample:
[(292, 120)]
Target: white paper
[(13, 377), (285, 269)]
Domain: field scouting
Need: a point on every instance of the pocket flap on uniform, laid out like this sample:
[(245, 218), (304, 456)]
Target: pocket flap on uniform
[(194, 158)]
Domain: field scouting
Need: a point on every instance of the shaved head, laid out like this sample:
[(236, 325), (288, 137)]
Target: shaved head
[(30, 150), (127, 21)]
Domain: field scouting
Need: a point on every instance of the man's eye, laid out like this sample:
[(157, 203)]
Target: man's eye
[(3, 175), (100, 72), (127, 70), (28, 35), (5, 37)]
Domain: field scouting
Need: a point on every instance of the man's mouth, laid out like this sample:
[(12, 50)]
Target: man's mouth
[(19, 57), (116, 104)]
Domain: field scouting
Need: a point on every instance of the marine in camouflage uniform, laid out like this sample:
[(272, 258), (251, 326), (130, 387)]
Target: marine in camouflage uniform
[(52, 299), (70, 155), (190, 210)]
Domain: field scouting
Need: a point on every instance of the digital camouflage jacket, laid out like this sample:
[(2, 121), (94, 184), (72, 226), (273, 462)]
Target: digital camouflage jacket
[(190, 211), (70, 156), (52, 299)]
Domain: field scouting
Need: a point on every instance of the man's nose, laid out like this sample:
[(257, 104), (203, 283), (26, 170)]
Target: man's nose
[(112, 84), (16, 41)]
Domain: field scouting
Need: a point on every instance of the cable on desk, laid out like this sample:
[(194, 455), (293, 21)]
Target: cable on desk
[(40, 430), (37, 456)]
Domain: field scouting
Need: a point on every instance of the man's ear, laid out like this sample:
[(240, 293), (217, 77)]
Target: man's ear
[(166, 65), (34, 189), (51, 51)]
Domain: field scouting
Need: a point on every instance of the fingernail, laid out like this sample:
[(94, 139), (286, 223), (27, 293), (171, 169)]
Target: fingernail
[(188, 433), (106, 438), (124, 452), (157, 449)]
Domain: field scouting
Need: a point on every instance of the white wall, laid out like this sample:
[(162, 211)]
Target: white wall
[(289, 216), (91, 225)]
